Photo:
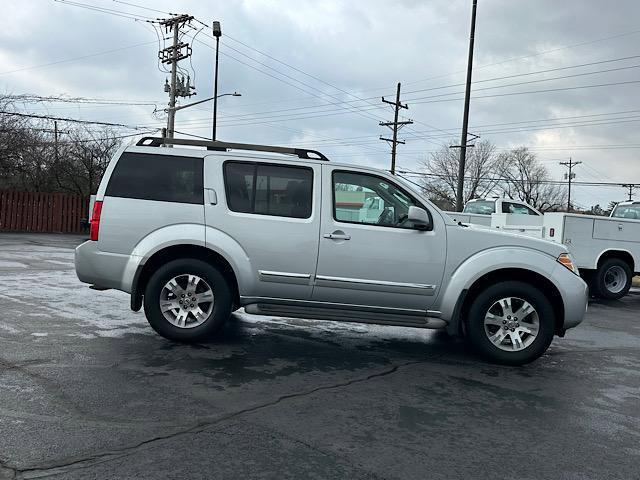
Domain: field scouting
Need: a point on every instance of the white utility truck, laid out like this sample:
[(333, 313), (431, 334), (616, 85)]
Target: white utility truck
[(479, 211), (606, 249)]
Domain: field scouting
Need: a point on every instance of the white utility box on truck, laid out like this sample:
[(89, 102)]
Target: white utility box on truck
[(606, 250)]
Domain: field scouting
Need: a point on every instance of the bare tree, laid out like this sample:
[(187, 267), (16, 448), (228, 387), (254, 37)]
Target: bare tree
[(482, 175), (30, 160), (526, 179), (83, 158)]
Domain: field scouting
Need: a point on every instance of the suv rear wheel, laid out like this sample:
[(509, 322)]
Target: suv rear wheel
[(511, 322), (187, 300)]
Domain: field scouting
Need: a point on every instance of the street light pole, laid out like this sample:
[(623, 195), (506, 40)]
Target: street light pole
[(217, 32)]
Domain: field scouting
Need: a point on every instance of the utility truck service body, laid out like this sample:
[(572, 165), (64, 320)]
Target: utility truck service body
[(606, 249)]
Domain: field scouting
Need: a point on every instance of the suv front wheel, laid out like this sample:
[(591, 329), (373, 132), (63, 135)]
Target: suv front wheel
[(187, 300), (511, 322)]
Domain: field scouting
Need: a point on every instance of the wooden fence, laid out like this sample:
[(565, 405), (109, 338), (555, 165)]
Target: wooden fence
[(42, 212)]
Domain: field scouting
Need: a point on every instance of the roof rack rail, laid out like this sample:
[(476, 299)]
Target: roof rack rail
[(223, 146)]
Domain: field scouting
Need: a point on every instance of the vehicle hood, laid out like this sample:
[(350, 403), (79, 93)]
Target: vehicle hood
[(476, 238)]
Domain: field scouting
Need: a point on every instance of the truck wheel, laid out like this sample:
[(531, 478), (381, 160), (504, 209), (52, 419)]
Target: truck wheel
[(613, 279), (187, 300), (511, 323)]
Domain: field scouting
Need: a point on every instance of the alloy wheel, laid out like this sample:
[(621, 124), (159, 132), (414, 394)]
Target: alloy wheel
[(186, 301), (511, 324)]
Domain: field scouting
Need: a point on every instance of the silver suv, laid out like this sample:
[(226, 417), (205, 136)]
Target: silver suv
[(194, 234)]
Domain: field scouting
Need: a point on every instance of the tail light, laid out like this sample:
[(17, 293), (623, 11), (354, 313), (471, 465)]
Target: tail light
[(95, 220)]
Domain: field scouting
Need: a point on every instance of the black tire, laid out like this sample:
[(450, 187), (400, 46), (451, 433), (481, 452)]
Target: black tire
[(600, 279), (475, 322), (589, 278), (215, 320)]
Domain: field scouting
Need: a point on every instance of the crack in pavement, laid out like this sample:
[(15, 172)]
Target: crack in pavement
[(80, 463)]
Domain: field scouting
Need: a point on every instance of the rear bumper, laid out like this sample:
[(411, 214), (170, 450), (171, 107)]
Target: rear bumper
[(575, 295), (103, 269)]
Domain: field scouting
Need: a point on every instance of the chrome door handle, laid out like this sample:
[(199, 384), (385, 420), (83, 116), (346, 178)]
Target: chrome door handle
[(337, 236)]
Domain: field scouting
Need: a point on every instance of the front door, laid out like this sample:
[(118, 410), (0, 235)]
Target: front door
[(368, 253)]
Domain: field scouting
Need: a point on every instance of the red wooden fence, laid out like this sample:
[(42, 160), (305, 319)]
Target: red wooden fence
[(41, 212)]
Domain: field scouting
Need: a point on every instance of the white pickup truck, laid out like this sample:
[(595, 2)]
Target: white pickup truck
[(479, 211)]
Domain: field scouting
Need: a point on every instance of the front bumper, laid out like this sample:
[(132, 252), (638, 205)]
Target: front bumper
[(103, 269), (575, 296)]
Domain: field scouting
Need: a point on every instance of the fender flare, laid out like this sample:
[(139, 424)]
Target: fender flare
[(473, 268), (186, 235)]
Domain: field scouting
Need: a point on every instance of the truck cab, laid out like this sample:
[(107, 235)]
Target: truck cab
[(628, 210)]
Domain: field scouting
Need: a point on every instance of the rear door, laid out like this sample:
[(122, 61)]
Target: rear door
[(271, 210), (375, 261)]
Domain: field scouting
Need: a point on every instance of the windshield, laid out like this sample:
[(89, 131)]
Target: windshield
[(483, 207), (627, 211)]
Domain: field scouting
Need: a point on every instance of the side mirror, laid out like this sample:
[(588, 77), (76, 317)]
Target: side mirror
[(419, 218)]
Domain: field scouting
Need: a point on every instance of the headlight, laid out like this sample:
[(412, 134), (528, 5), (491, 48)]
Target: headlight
[(567, 260)]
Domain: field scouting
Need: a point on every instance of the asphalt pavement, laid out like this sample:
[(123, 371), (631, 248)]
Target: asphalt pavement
[(88, 390)]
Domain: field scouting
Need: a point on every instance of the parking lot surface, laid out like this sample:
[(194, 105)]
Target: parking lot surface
[(88, 390)]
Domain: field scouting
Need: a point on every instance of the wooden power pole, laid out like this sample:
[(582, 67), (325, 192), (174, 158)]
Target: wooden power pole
[(570, 176), (172, 55), (465, 115), (395, 126)]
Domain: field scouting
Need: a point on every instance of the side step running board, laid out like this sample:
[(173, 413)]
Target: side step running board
[(343, 315)]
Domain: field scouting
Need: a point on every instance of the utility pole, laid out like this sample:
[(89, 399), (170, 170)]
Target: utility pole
[(630, 186), (395, 126), (55, 141), (570, 176), (465, 115), (172, 55)]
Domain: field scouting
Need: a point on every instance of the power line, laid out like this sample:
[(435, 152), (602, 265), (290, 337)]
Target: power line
[(109, 11), (545, 52), (341, 104), (144, 8), (579, 87), (501, 178), (538, 72), (82, 57), (72, 120)]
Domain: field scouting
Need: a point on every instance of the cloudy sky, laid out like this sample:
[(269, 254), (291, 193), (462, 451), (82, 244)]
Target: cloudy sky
[(558, 77)]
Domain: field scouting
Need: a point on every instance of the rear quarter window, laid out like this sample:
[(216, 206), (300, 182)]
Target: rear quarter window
[(163, 178)]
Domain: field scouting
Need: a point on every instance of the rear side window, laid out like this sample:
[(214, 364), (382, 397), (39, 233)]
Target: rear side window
[(483, 207), (508, 207), (268, 189), (164, 178)]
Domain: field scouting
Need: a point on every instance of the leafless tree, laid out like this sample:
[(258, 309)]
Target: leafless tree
[(83, 158), (526, 179), (482, 174), (30, 161)]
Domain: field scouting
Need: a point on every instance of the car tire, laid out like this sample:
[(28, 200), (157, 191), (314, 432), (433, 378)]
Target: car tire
[(613, 279), (526, 338), (191, 314)]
